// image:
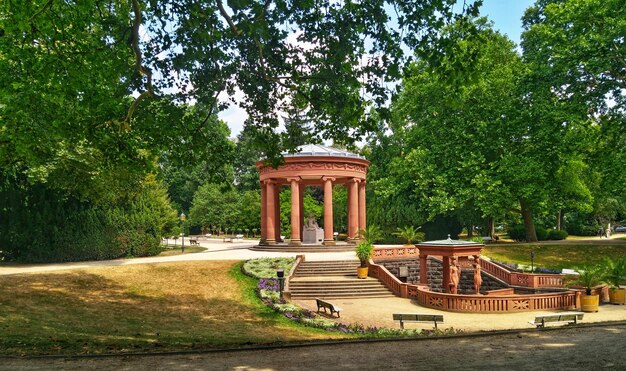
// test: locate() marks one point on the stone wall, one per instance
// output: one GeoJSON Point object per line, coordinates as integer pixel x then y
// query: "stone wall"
{"type": "Point", "coordinates": [435, 275]}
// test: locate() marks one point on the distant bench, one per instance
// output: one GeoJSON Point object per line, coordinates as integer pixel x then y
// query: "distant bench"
{"type": "Point", "coordinates": [238, 237]}
{"type": "Point", "coordinates": [560, 318]}
{"type": "Point", "coordinates": [325, 304]}
{"type": "Point", "coordinates": [417, 317]}
{"type": "Point", "coordinates": [193, 241]}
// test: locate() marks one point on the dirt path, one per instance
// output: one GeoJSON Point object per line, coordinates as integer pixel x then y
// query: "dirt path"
{"type": "Point", "coordinates": [578, 348]}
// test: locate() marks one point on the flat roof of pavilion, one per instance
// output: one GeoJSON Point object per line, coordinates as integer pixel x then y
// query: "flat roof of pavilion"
{"type": "Point", "coordinates": [316, 150]}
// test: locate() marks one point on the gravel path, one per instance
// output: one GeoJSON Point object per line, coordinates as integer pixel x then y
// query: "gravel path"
{"type": "Point", "coordinates": [577, 348]}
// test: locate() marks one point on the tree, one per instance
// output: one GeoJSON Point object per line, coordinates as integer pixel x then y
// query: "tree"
{"type": "Point", "coordinates": [72, 90]}
{"type": "Point", "coordinates": [213, 205]}
{"type": "Point", "coordinates": [500, 139]}
{"type": "Point", "coordinates": [448, 139]}
{"type": "Point", "coordinates": [410, 234]}
{"type": "Point", "coordinates": [576, 51]}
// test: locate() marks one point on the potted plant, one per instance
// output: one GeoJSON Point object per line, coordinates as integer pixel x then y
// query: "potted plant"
{"type": "Point", "coordinates": [588, 278]}
{"type": "Point", "coordinates": [614, 276]}
{"type": "Point", "coordinates": [365, 248]}
{"type": "Point", "coordinates": [410, 234]}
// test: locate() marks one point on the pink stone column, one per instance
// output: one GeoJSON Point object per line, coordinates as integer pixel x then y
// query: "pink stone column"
{"type": "Point", "coordinates": [270, 212]}
{"type": "Point", "coordinates": [353, 209]}
{"type": "Point", "coordinates": [277, 212]}
{"type": "Point", "coordinates": [301, 207]}
{"type": "Point", "coordinates": [296, 219]}
{"type": "Point", "coordinates": [263, 214]}
{"type": "Point", "coordinates": [362, 216]}
{"type": "Point", "coordinates": [423, 269]}
{"type": "Point", "coordinates": [328, 211]}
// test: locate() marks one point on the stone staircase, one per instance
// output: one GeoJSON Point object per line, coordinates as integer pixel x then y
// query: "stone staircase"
{"type": "Point", "coordinates": [333, 280]}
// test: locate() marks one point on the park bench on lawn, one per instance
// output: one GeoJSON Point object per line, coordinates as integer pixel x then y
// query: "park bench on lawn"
{"type": "Point", "coordinates": [239, 237]}
{"type": "Point", "coordinates": [325, 304]}
{"type": "Point", "coordinates": [417, 317]}
{"type": "Point", "coordinates": [559, 318]}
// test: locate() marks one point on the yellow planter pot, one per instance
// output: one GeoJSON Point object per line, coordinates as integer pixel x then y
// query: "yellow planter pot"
{"type": "Point", "coordinates": [361, 272]}
{"type": "Point", "coordinates": [589, 303]}
{"type": "Point", "coordinates": [617, 296]}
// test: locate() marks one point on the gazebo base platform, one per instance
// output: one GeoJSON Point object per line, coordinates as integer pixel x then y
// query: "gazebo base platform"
{"type": "Point", "coordinates": [340, 246]}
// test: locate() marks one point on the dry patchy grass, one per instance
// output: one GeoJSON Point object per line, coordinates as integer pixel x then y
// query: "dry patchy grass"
{"type": "Point", "coordinates": [176, 250]}
{"type": "Point", "coordinates": [555, 256]}
{"type": "Point", "coordinates": [167, 306]}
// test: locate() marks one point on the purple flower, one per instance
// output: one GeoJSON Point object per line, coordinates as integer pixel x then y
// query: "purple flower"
{"type": "Point", "coordinates": [270, 284]}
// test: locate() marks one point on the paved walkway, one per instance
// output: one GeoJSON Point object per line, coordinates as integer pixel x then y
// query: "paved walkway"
{"type": "Point", "coordinates": [216, 250]}
{"type": "Point", "coordinates": [378, 313]}
{"type": "Point", "coordinates": [577, 348]}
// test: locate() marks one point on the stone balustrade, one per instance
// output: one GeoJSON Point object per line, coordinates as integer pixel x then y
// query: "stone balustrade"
{"type": "Point", "coordinates": [565, 300]}
{"type": "Point", "coordinates": [493, 303]}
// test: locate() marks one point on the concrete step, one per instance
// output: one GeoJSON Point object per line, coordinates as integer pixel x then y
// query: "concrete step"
{"type": "Point", "coordinates": [323, 266]}
{"type": "Point", "coordinates": [333, 284]}
{"type": "Point", "coordinates": [325, 273]}
{"type": "Point", "coordinates": [333, 280]}
{"type": "Point", "coordinates": [347, 263]}
{"type": "Point", "coordinates": [341, 296]}
{"type": "Point", "coordinates": [344, 292]}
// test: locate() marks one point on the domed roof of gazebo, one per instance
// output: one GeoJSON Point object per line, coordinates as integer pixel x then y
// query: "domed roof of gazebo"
{"type": "Point", "coordinates": [310, 150]}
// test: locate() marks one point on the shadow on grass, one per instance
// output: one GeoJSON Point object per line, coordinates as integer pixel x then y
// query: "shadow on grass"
{"type": "Point", "coordinates": [82, 312]}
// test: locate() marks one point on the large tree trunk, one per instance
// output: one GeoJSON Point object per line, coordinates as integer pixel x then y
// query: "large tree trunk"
{"type": "Point", "coordinates": [558, 220]}
{"type": "Point", "coordinates": [490, 226]}
{"type": "Point", "coordinates": [529, 224]}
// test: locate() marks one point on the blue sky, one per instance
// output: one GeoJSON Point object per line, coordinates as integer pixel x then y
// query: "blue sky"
{"type": "Point", "coordinates": [505, 14]}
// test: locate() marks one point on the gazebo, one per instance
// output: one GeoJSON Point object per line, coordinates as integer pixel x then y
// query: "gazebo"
{"type": "Point", "coordinates": [450, 250]}
{"type": "Point", "coordinates": [312, 165]}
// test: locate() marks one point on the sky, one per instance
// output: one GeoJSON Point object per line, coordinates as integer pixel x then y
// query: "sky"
{"type": "Point", "coordinates": [505, 14]}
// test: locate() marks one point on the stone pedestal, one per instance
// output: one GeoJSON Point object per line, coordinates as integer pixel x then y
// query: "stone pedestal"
{"type": "Point", "coordinates": [313, 235]}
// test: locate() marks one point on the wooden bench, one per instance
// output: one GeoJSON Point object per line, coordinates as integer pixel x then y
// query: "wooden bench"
{"type": "Point", "coordinates": [417, 317]}
{"type": "Point", "coordinates": [193, 242]}
{"type": "Point", "coordinates": [560, 318]}
{"type": "Point", "coordinates": [239, 237]}
{"type": "Point", "coordinates": [227, 239]}
{"type": "Point", "coordinates": [325, 304]}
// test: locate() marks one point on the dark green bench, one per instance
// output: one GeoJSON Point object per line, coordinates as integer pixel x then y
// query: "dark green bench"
{"type": "Point", "coordinates": [557, 319]}
{"type": "Point", "coordinates": [417, 317]}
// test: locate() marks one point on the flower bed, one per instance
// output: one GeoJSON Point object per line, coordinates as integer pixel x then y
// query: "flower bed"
{"type": "Point", "coordinates": [268, 292]}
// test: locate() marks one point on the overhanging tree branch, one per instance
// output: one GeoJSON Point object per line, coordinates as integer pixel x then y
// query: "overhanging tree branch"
{"type": "Point", "coordinates": [139, 67]}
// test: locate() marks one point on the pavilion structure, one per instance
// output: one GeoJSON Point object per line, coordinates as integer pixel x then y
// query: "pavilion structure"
{"type": "Point", "coordinates": [450, 251]}
{"type": "Point", "coordinates": [312, 165]}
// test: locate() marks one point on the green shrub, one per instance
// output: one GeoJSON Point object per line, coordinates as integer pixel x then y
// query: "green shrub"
{"type": "Point", "coordinates": [582, 230]}
{"type": "Point", "coordinates": [554, 234]}
{"type": "Point", "coordinates": [517, 232]}
{"type": "Point", "coordinates": [267, 267]}
{"type": "Point", "coordinates": [40, 225]}
{"type": "Point", "coordinates": [542, 233]}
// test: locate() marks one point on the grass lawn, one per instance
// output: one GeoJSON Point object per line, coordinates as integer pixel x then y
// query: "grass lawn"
{"type": "Point", "coordinates": [555, 256]}
{"type": "Point", "coordinates": [147, 307]}
{"type": "Point", "coordinates": [177, 250]}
